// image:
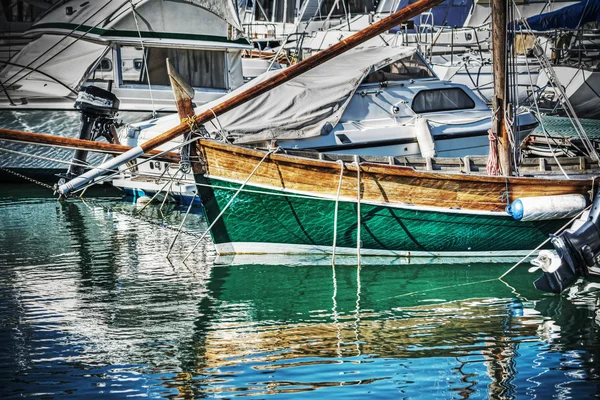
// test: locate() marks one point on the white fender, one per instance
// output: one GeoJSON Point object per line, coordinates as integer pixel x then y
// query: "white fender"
{"type": "Point", "coordinates": [424, 138]}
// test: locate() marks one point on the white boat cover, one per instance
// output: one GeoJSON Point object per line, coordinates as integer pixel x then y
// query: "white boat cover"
{"type": "Point", "coordinates": [306, 106]}
{"type": "Point", "coordinates": [225, 9]}
{"type": "Point", "coordinates": [153, 15]}
{"type": "Point", "coordinates": [52, 55]}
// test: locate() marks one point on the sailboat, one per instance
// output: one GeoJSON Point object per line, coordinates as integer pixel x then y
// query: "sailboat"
{"type": "Point", "coordinates": [268, 202]}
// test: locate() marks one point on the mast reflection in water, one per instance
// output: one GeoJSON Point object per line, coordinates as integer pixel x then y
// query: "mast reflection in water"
{"type": "Point", "coordinates": [89, 306]}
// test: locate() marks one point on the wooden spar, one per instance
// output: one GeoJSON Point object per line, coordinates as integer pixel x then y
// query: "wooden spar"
{"type": "Point", "coordinates": [499, 57]}
{"type": "Point", "coordinates": [70, 143]}
{"type": "Point", "coordinates": [287, 74]}
{"type": "Point", "coordinates": [370, 32]}
{"type": "Point", "coordinates": [183, 92]}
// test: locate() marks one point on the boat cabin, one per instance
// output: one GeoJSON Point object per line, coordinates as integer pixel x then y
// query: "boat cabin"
{"type": "Point", "coordinates": [123, 47]}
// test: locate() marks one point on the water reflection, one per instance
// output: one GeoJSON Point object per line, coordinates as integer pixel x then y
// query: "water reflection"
{"type": "Point", "coordinates": [89, 306]}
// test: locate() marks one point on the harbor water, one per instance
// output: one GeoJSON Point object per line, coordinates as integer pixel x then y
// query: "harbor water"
{"type": "Point", "coordinates": [90, 307]}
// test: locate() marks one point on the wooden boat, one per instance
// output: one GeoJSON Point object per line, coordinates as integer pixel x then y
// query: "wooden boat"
{"type": "Point", "coordinates": [290, 204]}
{"type": "Point", "coordinates": [261, 202]}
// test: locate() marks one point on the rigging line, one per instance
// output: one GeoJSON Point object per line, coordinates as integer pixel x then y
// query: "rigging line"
{"type": "Point", "coordinates": [154, 114]}
{"type": "Point", "coordinates": [569, 110]}
{"type": "Point", "coordinates": [153, 197]}
{"type": "Point", "coordinates": [134, 165]}
{"type": "Point", "coordinates": [335, 215]}
{"type": "Point", "coordinates": [56, 44]}
{"type": "Point", "coordinates": [357, 162]}
{"type": "Point", "coordinates": [229, 203]}
{"type": "Point", "coordinates": [444, 287]}
{"type": "Point", "coordinates": [180, 228]}
{"type": "Point", "coordinates": [19, 153]}
{"type": "Point", "coordinates": [535, 102]}
{"type": "Point", "coordinates": [160, 224]}
{"type": "Point", "coordinates": [172, 179]}
{"type": "Point", "coordinates": [545, 241]}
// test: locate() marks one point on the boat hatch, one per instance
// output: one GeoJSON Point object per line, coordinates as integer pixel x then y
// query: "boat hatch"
{"type": "Point", "coordinates": [443, 99]}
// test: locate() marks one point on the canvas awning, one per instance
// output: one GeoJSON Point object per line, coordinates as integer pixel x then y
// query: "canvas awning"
{"type": "Point", "coordinates": [306, 106]}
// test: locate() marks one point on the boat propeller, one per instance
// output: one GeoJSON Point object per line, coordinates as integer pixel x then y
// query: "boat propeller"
{"type": "Point", "coordinates": [577, 251]}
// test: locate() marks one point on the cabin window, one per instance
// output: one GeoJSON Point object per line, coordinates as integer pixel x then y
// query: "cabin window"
{"type": "Point", "coordinates": [412, 67]}
{"type": "Point", "coordinates": [200, 68]}
{"type": "Point", "coordinates": [103, 71]}
{"type": "Point", "coordinates": [442, 100]}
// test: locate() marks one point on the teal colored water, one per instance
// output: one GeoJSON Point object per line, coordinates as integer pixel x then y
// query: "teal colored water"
{"type": "Point", "coordinates": [90, 307]}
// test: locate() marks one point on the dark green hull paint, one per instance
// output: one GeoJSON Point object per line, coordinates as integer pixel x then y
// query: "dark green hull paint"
{"type": "Point", "coordinates": [262, 218]}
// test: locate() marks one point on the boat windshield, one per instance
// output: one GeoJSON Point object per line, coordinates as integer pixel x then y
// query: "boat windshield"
{"type": "Point", "coordinates": [411, 67]}
{"type": "Point", "coordinates": [447, 99]}
{"type": "Point", "coordinates": [201, 68]}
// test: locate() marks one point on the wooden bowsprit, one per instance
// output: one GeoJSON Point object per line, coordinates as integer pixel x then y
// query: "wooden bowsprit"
{"type": "Point", "coordinates": [285, 75]}
{"type": "Point", "coordinates": [71, 143]}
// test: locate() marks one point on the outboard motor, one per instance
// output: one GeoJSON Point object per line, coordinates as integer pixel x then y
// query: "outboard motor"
{"type": "Point", "coordinates": [577, 251]}
{"type": "Point", "coordinates": [98, 108]}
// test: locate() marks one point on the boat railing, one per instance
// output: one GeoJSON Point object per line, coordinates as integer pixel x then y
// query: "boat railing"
{"type": "Point", "coordinates": [430, 41]}
{"type": "Point", "coordinates": [250, 29]}
{"type": "Point", "coordinates": [529, 166]}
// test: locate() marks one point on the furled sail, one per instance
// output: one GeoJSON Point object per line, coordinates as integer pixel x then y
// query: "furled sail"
{"type": "Point", "coordinates": [571, 17]}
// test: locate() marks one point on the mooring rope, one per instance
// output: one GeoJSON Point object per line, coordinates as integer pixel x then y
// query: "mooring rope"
{"type": "Point", "coordinates": [180, 228]}
{"type": "Point", "coordinates": [504, 274]}
{"type": "Point", "coordinates": [229, 203]}
{"type": "Point", "coordinates": [335, 215]}
{"type": "Point", "coordinates": [357, 161]}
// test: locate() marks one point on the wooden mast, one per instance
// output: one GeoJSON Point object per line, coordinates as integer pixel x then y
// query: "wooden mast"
{"type": "Point", "coordinates": [183, 93]}
{"type": "Point", "coordinates": [370, 32]}
{"type": "Point", "coordinates": [499, 58]}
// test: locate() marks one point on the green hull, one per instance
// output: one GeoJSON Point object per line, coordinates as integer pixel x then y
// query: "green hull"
{"type": "Point", "coordinates": [259, 218]}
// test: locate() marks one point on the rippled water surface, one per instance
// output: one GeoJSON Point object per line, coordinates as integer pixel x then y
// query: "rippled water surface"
{"type": "Point", "coordinates": [90, 307]}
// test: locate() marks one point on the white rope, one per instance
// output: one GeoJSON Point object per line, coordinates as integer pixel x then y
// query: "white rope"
{"type": "Point", "coordinates": [335, 313]}
{"type": "Point", "coordinates": [335, 215]}
{"type": "Point", "coordinates": [229, 203]}
{"type": "Point", "coordinates": [179, 229]}
{"type": "Point", "coordinates": [155, 196]}
{"type": "Point", "coordinates": [56, 160]}
{"type": "Point", "coordinates": [357, 161]}
{"type": "Point", "coordinates": [154, 114]}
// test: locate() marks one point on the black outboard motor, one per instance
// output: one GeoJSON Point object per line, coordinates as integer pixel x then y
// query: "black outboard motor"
{"type": "Point", "coordinates": [576, 252]}
{"type": "Point", "coordinates": [98, 111]}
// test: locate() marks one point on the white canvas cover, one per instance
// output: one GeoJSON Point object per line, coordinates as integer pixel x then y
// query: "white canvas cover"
{"type": "Point", "coordinates": [153, 15]}
{"type": "Point", "coordinates": [54, 56]}
{"type": "Point", "coordinates": [225, 9]}
{"type": "Point", "coordinates": [308, 105]}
